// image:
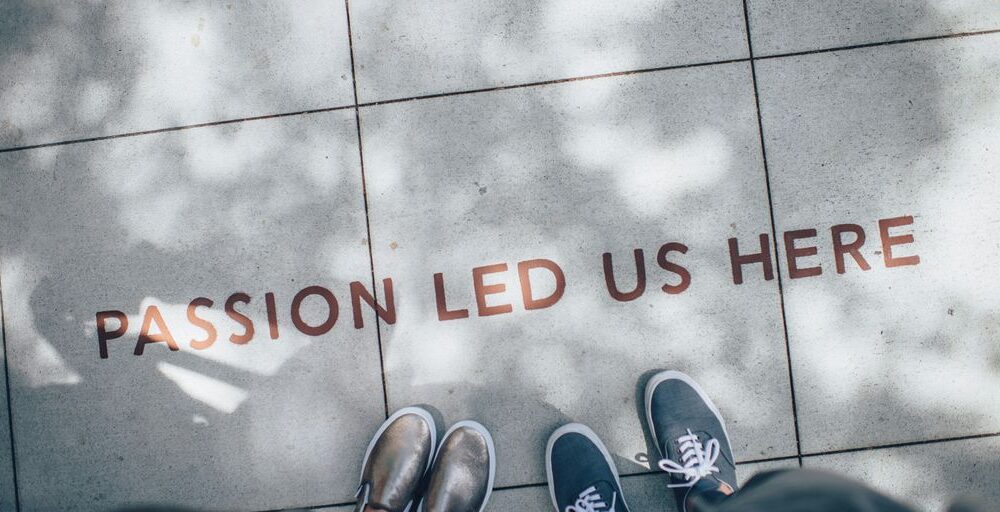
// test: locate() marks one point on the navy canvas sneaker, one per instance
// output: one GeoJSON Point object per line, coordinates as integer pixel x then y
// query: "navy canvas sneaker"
{"type": "Point", "coordinates": [396, 461]}
{"type": "Point", "coordinates": [582, 477]}
{"type": "Point", "coordinates": [689, 432]}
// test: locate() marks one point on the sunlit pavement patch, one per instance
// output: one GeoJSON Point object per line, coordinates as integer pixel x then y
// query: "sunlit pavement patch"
{"type": "Point", "coordinates": [144, 224]}
{"type": "Point", "coordinates": [782, 26]}
{"type": "Point", "coordinates": [568, 173]}
{"type": "Point", "coordinates": [890, 355]}
{"type": "Point", "coordinates": [417, 47]}
{"type": "Point", "coordinates": [189, 315]}
{"type": "Point", "coordinates": [82, 69]}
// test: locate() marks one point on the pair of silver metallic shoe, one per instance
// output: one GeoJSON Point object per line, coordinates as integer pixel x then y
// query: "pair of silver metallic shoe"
{"type": "Point", "coordinates": [404, 459]}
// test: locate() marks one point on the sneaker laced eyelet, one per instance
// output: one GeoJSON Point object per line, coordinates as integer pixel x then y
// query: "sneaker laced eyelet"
{"type": "Point", "coordinates": [697, 459]}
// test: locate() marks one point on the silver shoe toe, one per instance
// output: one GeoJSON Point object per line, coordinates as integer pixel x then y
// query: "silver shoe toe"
{"type": "Point", "coordinates": [396, 461]}
{"type": "Point", "coordinates": [464, 467]}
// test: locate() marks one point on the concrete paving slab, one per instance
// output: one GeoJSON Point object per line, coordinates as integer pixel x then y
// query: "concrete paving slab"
{"type": "Point", "coordinates": [84, 69]}
{"type": "Point", "coordinates": [427, 47]}
{"type": "Point", "coordinates": [782, 26]}
{"type": "Point", "coordinates": [566, 173]}
{"type": "Point", "coordinates": [7, 492]}
{"type": "Point", "coordinates": [908, 136]}
{"type": "Point", "coordinates": [926, 476]}
{"type": "Point", "coordinates": [144, 225]}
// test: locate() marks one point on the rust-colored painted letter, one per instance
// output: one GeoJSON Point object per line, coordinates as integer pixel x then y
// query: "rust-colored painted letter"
{"type": "Point", "coordinates": [763, 257]}
{"type": "Point", "coordinates": [853, 248]}
{"type": "Point", "coordinates": [442, 306]}
{"type": "Point", "coordinates": [210, 332]}
{"type": "Point", "coordinates": [889, 241]}
{"type": "Point", "coordinates": [153, 315]}
{"type": "Point", "coordinates": [272, 315]}
{"type": "Point", "coordinates": [102, 329]}
{"type": "Point", "coordinates": [640, 277]}
{"type": "Point", "coordinates": [665, 264]}
{"type": "Point", "coordinates": [523, 269]}
{"type": "Point", "coordinates": [239, 339]}
{"type": "Point", "coordinates": [359, 293]}
{"type": "Point", "coordinates": [792, 253]}
{"type": "Point", "coordinates": [331, 318]}
{"type": "Point", "coordinates": [482, 289]}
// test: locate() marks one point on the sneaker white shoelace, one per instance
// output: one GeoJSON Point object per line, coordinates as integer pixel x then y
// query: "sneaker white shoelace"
{"type": "Point", "coordinates": [697, 459]}
{"type": "Point", "coordinates": [591, 501]}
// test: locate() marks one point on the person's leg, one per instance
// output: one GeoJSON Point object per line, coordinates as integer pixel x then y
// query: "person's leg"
{"type": "Point", "coordinates": [802, 490]}
{"type": "Point", "coordinates": [582, 477]}
{"type": "Point", "coordinates": [691, 437]}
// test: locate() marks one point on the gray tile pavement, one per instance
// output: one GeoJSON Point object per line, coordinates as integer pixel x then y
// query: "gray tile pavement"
{"type": "Point", "coordinates": [783, 26]}
{"type": "Point", "coordinates": [84, 69]}
{"type": "Point", "coordinates": [895, 353]}
{"type": "Point", "coordinates": [565, 171]}
{"type": "Point", "coordinates": [144, 225]}
{"type": "Point", "coordinates": [427, 47]}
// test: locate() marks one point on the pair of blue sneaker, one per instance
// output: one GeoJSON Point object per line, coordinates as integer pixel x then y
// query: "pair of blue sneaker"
{"type": "Point", "coordinates": [689, 434]}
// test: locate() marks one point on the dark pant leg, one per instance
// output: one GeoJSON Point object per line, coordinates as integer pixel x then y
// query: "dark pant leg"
{"type": "Point", "coordinates": [802, 490]}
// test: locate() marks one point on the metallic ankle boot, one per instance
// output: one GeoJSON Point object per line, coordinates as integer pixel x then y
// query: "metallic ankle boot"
{"type": "Point", "coordinates": [396, 461]}
{"type": "Point", "coordinates": [464, 468]}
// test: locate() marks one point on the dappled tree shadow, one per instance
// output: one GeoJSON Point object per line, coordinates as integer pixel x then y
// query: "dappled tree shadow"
{"type": "Point", "coordinates": [565, 172]}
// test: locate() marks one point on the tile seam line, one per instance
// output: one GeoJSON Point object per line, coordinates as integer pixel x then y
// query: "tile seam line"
{"type": "Point", "coordinates": [368, 226]}
{"type": "Point", "coordinates": [553, 81]}
{"type": "Point", "coordinates": [175, 128]}
{"type": "Point", "coordinates": [891, 42]}
{"type": "Point", "coordinates": [10, 411]}
{"type": "Point", "coordinates": [903, 444]}
{"type": "Point", "coordinates": [357, 104]}
{"type": "Point", "coordinates": [774, 237]}
{"type": "Point", "coordinates": [501, 88]}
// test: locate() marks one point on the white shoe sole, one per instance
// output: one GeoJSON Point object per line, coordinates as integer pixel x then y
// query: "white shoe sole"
{"type": "Point", "coordinates": [490, 448]}
{"type": "Point", "coordinates": [578, 428]}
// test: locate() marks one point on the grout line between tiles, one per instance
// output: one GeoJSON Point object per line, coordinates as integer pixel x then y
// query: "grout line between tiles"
{"type": "Point", "coordinates": [876, 44]}
{"type": "Point", "coordinates": [774, 237]}
{"type": "Point", "coordinates": [501, 88]}
{"type": "Point", "coordinates": [368, 226]}
{"type": "Point", "coordinates": [902, 444]}
{"type": "Point", "coordinates": [551, 82]}
{"type": "Point", "coordinates": [175, 128]}
{"type": "Point", "coordinates": [10, 411]}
